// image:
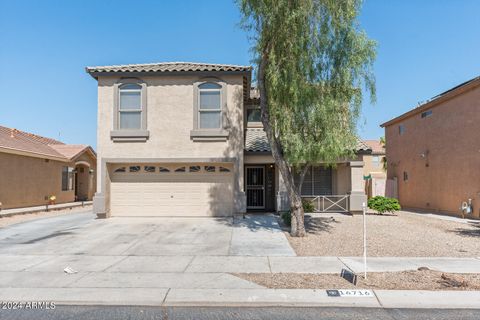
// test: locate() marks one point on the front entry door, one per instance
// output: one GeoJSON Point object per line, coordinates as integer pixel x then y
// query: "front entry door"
{"type": "Point", "coordinates": [255, 187]}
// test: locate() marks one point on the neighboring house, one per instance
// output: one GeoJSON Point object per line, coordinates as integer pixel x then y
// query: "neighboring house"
{"type": "Point", "coordinates": [33, 168]}
{"type": "Point", "coordinates": [373, 170]}
{"type": "Point", "coordinates": [185, 139]}
{"type": "Point", "coordinates": [433, 152]}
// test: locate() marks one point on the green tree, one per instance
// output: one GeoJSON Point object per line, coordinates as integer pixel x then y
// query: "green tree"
{"type": "Point", "coordinates": [313, 65]}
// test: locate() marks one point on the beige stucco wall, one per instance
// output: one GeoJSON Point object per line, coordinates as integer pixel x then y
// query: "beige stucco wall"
{"type": "Point", "coordinates": [377, 184]}
{"type": "Point", "coordinates": [169, 121]}
{"type": "Point", "coordinates": [342, 179]}
{"type": "Point", "coordinates": [29, 181]}
{"type": "Point", "coordinates": [370, 167]}
{"type": "Point", "coordinates": [449, 171]}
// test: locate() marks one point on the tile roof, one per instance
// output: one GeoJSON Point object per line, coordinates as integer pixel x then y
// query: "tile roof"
{"type": "Point", "coordinates": [69, 151]}
{"type": "Point", "coordinates": [362, 146]}
{"type": "Point", "coordinates": [31, 143]}
{"type": "Point", "coordinates": [256, 141]}
{"type": "Point", "coordinates": [169, 67]}
{"type": "Point", "coordinates": [375, 146]}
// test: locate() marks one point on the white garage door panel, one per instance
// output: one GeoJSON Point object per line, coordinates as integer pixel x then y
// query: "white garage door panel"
{"type": "Point", "coordinates": [171, 194]}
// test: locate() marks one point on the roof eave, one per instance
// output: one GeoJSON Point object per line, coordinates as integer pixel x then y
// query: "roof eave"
{"type": "Point", "coordinates": [96, 74]}
{"type": "Point", "coordinates": [433, 103]}
{"type": "Point", "coordinates": [33, 154]}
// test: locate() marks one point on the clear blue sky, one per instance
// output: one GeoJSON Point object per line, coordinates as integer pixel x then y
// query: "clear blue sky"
{"type": "Point", "coordinates": [424, 48]}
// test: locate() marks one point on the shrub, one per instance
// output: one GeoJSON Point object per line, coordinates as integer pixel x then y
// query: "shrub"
{"type": "Point", "coordinates": [383, 204]}
{"type": "Point", "coordinates": [287, 218]}
{"type": "Point", "coordinates": [308, 206]}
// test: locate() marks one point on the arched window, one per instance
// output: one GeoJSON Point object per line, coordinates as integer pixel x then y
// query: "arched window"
{"type": "Point", "coordinates": [209, 106]}
{"type": "Point", "coordinates": [130, 107]}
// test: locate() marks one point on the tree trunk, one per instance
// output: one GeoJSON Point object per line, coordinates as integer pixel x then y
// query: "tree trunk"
{"type": "Point", "coordinates": [298, 224]}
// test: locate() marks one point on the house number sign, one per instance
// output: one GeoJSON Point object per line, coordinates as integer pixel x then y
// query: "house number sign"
{"type": "Point", "coordinates": [350, 293]}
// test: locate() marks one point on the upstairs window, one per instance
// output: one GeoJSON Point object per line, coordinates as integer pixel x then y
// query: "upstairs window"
{"type": "Point", "coordinates": [426, 114]}
{"type": "Point", "coordinates": [254, 117]}
{"type": "Point", "coordinates": [401, 129]}
{"type": "Point", "coordinates": [209, 106]}
{"type": "Point", "coordinates": [130, 107]}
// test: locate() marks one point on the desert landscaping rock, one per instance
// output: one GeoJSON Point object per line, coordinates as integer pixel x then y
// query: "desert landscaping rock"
{"type": "Point", "coordinates": [405, 280]}
{"type": "Point", "coordinates": [401, 235]}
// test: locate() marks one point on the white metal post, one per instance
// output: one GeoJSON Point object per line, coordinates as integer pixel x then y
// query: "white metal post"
{"type": "Point", "coordinates": [364, 240]}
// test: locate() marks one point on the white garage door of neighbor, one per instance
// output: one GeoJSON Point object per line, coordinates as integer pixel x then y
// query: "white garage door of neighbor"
{"type": "Point", "coordinates": [171, 193]}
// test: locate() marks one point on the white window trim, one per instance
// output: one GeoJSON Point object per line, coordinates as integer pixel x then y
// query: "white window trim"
{"type": "Point", "coordinates": [200, 110]}
{"type": "Point", "coordinates": [130, 135]}
{"type": "Point", "coordinates": [205, 134]}
{"type": "Point", "coordinates": [120, 110]}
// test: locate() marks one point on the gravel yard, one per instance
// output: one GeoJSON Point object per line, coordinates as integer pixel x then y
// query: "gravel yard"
{"type": "Point", "coordinates": [406, 280]}
{"type": "Point", "coordinates": [401, 235]}
{"type": "Point", "coordinates": [6, 221]}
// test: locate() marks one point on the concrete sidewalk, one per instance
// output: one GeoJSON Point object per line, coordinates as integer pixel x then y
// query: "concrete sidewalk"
{"type": "Point", "coordinates": [26, 210]}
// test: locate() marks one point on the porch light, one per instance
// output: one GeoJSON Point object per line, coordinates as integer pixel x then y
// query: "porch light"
{"type": "Point", "coordinates": [91, 171]}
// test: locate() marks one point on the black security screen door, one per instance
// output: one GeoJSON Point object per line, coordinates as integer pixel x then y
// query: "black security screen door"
{"type": "Point", "coordinates": [255, 187]}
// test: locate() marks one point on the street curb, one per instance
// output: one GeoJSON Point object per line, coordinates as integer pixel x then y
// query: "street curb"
{"type": "Point", "coordinates": [317, 298]}
{"type": "Point", "coordinates": [386, 299]}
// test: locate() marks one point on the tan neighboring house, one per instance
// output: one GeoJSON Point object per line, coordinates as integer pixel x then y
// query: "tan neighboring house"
{"type": "Point", "coordinates": [34, 168]}
{"type": "Point", "coordinates": [373, 169]}
{"type": "Point", "coordinates": [433, 153]}
{"type": "Point", "coordinates": [185, 139]}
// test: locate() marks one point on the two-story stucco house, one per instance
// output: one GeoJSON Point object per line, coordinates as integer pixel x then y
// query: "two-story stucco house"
{"type": "Point", "coordinates": [185, 139]}
{"type": "Point", "coordinates": [433, 153]}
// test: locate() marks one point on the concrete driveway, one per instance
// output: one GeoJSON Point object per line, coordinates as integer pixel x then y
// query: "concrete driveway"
{"type": "Point", "coordinates": [82, 234]}
{"type": "Point", "coordinates": [138, 258]}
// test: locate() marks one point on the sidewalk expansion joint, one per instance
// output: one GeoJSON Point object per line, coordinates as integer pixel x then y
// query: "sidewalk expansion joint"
{"type": "Point", "coordinates": [188, 264]}
{"type": "Point", "coordinates": [115, 263]}
{"type": "Point", "coordinates": [269, 265]}
{"type": "Point", "coordinates": [378, 300]}
{"type": "Point", "coordinates": [165, 298]}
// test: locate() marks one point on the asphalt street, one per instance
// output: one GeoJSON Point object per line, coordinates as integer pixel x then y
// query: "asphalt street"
{"type": "Point", "coordinates": [224, 313]}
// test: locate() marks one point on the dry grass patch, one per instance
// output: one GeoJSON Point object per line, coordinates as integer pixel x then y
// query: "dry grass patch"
{"type": "Point", "coordinates": [401, 235]}
{"type": "Point", "coordinates": [405, 280]}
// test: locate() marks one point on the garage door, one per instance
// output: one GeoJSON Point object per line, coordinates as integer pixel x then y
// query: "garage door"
{"type": "Point", "coordinates": [171, 190]}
